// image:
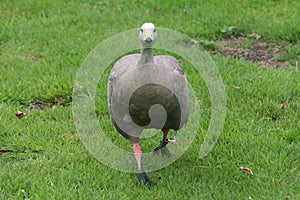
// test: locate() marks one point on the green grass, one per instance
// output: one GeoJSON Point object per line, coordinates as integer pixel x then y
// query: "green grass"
{"type": "Point", "coordinates": [292, 55]}
{"type": "Point", "coordinates": [42, 45]}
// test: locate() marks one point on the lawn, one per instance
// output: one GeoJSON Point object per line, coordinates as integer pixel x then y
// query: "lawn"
{"type": "Point", "coordinates": [42, 46]}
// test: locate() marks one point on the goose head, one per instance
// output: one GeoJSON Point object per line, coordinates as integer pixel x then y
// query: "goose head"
{"type": "Point", "coordinates": [147, 35]}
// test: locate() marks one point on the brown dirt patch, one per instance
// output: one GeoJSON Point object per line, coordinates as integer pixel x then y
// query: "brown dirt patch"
{"type": "Point", "coordinates": [2, 151]}
{"type": "Point", "coordinates": [59, 101]}
{"type": "Point", "coordinates": [253, 49]}
{"type": "Point", "coordinates": [38, 105]}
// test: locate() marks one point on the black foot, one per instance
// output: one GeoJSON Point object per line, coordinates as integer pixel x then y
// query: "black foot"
{"type": "Point", "coordinates": [163, 148]}
{"type": "Point", "coordinates": [143, 178]}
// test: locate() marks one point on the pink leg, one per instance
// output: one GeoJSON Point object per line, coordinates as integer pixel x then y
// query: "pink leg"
{"type": "Point", "coordinates": [138, 155]}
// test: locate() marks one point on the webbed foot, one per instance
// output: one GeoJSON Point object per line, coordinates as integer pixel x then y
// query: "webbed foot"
{"type": "Point", "coordinates": [163, 148]}
{"type": "Point", "coordinates": [143, 178]}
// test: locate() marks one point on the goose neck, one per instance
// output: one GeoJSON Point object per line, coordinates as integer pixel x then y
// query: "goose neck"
{"type": "Point", "coordinates": [146, 56]}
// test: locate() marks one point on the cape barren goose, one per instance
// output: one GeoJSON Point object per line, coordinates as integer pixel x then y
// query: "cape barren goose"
{"type": "Point", "coordinates": [176, 107]}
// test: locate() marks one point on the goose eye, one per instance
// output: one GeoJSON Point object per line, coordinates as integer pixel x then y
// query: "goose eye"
{"type": "Point", "coordinates": [154, 30]}
{"type": "Point", "coordinates": [142, 30]}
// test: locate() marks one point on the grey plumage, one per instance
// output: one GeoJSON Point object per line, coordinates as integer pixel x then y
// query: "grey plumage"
{"type": "Point", "coordinates": [149, 95]}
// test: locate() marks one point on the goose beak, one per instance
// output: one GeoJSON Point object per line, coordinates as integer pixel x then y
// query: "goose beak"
{"type": "Point", "coordinates": [148, 40]}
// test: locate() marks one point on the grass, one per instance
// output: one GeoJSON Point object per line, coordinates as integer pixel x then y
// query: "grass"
{"type": "Point", "coordinates": [43, 44]}
{"type": "Point", "coordinates": [292, 55]}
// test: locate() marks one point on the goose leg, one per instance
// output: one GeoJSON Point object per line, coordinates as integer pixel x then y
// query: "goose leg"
{"type": "Point", "coordinates": [163, 145]}
{"type": "Point", "coordinates": [142, 174]}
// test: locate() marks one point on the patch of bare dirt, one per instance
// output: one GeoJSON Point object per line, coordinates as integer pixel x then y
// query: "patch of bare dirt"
{"type": "Point", "coordinates": [253, 49]}
{"type": "Point", "coordinates": [3, 151]}
{"type": "Point", "coordinates": [38, 105]}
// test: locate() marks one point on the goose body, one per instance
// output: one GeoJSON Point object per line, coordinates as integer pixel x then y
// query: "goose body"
{"type": "Point", "coordinates": [175, 106]}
